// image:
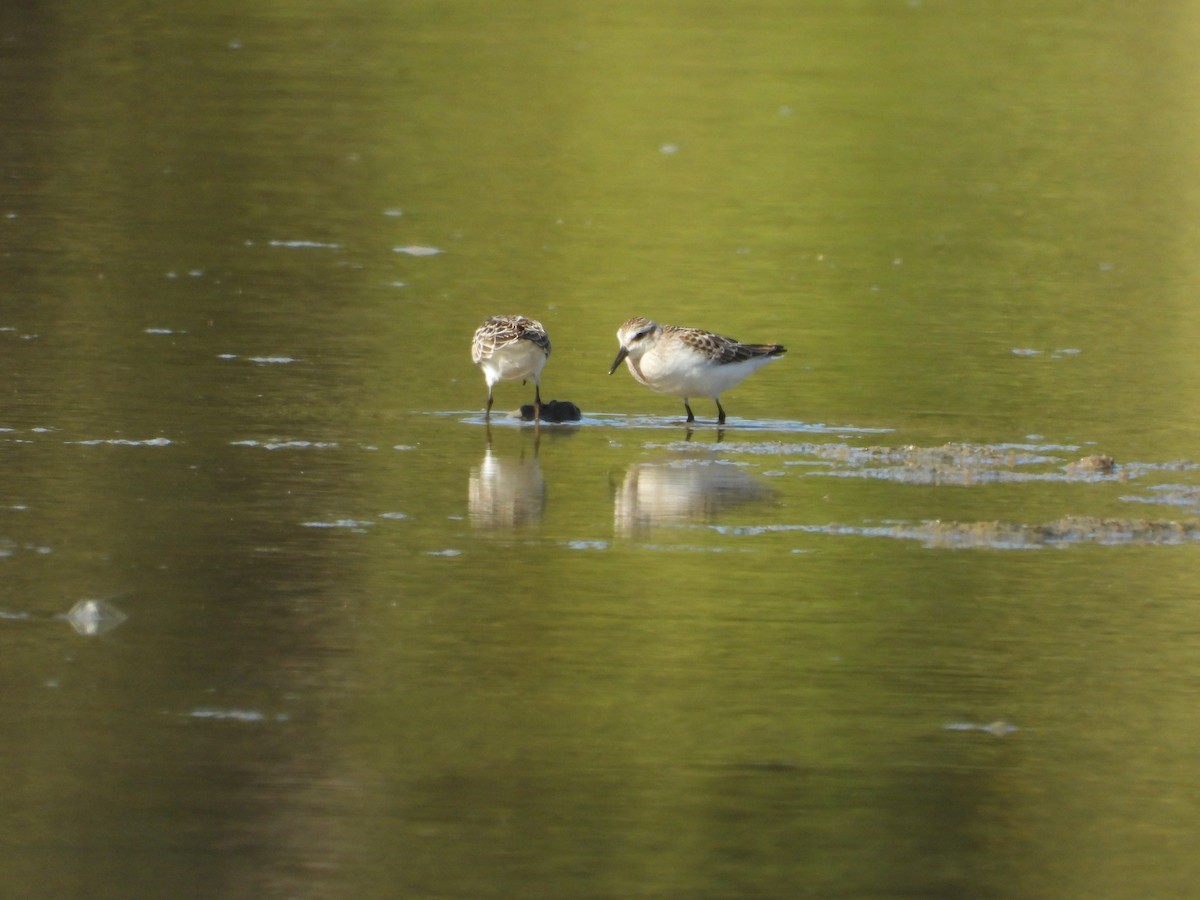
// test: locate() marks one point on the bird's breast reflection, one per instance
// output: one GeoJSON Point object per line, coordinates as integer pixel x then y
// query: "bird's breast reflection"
{"type": "Point", "coordinates": [506, 491]}
{"type": "Point", "coordinates": [676, 492]}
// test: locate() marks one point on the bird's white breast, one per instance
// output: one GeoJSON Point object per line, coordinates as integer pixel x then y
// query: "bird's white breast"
{"type": "Point", "coordinates": [676, 369]}
{"type": "Point", "coordinates": [521, 359]}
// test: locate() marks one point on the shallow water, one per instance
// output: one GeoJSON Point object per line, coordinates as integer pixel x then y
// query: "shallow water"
{"type": "Point", "coordinates": [284, 616]}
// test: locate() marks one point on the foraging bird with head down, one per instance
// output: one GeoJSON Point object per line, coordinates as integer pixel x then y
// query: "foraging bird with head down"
{"type": "Point", "coordinates": [508, 348]}
{"type": "Point", "coordinates": [688, 362]}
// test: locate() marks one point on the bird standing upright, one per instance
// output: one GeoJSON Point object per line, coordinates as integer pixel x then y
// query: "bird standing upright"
{"type": "Point", "coordinates": [508, 348]}
{"type": "Point", "coordinates": [686, 362]}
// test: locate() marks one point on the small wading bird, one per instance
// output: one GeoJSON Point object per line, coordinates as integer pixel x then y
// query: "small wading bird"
{"type": "Point", "coordinates": [688, 362]}
{"type": "Point", "coordinates": [508, 348]}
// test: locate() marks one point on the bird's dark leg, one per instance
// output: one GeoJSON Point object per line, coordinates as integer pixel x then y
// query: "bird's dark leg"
{"type": "Point", "coordinates": [691, 416]}
{"type": "Point", "coordinates": [487, 413]}
{"type": "Point", "coordinates": [537, 402]}
{"type": "Point", "coordinates": [720, 411]}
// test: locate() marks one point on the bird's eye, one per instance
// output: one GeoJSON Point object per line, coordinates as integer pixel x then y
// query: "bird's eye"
{"type": "Point", "coordinates": [640, 335]}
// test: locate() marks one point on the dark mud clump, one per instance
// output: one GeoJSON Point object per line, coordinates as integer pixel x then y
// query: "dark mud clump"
{"type": "Point", "coordinates": [554, 411]}
{"type": "Point", "coordinates": [1098, 464]}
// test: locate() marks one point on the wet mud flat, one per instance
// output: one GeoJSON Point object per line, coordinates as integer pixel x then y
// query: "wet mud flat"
{"type": "Point", "coordinates": [1063, 532]}
{"type": "Point", "coordinates": [1173, 486]}
{"type": "Point", "coordinates": [961, 463]}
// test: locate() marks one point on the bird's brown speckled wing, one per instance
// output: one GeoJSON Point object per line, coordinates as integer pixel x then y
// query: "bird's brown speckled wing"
{"type": "Point", "coordinates": [501, 331]}
{"type": "Point", "coordinates": [722, 349]}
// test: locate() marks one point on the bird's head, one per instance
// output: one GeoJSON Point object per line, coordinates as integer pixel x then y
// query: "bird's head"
{"type": "Point", "coordinates": [635, 337]}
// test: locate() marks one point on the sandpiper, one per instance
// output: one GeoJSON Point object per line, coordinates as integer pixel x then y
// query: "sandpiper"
{"type": "Point", "coordinates": [508, 348]}
{"type": "Point", "coordinates": [688, 362]}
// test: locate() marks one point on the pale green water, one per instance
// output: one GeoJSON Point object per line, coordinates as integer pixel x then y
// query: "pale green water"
{"type": "Point", "coordinates": [373, 649]}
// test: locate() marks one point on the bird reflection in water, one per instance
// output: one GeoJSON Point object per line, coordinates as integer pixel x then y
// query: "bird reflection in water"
{"type": "Point", "coordinates": [677, 492]}
{"type": "Point", "coordinates": [507, 491]}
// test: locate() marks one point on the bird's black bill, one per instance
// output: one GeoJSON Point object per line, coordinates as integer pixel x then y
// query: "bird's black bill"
{"type": "Point", "coordinates": [620, 358]}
